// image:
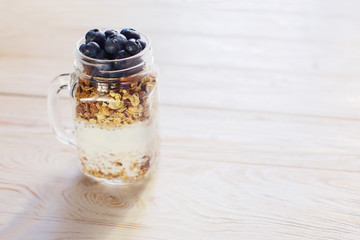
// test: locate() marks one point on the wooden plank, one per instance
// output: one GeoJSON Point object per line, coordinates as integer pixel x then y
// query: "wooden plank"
{"type": "Point", "coordinates": [186, 199]}
{"type": "Point", "coordinates": [197, 17]}
{"type": "Point", "coordinates": [252, 90]}
{"type": "Point", "coordinates": [277, 57]}
{"type": "Point", "coordinates": [206, 134]}
{"type": "Point", "coordinates": [323, 95]}
{"type": "Point", "coordinates": [270, 22]}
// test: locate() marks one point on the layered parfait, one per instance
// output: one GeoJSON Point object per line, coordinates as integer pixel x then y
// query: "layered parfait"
{"type": "Point", "coordinates": [116, 106]}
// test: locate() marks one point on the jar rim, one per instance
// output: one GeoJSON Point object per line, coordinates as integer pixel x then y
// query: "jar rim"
{"type": "Point", "coordinates": [128, 66]}
{"type": "Point", "coordinates": [146, 50]}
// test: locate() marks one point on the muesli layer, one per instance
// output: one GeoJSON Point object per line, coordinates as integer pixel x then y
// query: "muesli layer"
{"type": "Point", "coordinates": [110, 104]}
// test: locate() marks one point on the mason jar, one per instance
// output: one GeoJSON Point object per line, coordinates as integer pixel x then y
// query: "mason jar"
{"type": "Point", "coordinates": [115, 109]}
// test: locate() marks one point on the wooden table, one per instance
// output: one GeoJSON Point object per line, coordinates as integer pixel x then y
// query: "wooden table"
{"type": "Point", "coordinates": [260, 122]}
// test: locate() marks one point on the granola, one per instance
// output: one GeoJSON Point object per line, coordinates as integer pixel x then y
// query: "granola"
{"type": "Point", "coordinates": [134, 172]}
{"type": "Point", "coordinates": [114, 105]}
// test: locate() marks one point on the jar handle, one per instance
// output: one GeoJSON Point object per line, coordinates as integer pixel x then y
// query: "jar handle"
{"type": "Point", "coordinates": [63, 134]}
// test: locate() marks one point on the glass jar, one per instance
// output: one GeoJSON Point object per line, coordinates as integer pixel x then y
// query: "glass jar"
{"type": "Point", "coordinates": [115, 115]}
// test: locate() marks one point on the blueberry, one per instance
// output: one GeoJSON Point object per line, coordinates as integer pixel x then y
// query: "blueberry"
{"type": "Point", "coordinates": [132, 46]}
{"type": "Point", "coordinates": [105, 67]}
{"type": "Point", "coordinates": [130, 33]}
{"type": "Point", "coordinates": [118, 65]}
{"type": "Point", "coordinates": [90, 49]}
{"type": "Point", "coordinates": [142, 42]}
{"type": "Point", "coordinates": [102, 70]}
{"type": "Point", "coordinates": [91, 35]}
{"type": "Point", "coordinates": [103, 55]}
{"type": "Point", "coordinates": [121, 64]}
{"type": "Point", "coordinates": [95, 35]}
{"type": "Point", "coordinates": [122, 54]}
{"type": "Point", "coordinates": [108, 33]}
{"type": "Point", "coordinates": [114, 43]}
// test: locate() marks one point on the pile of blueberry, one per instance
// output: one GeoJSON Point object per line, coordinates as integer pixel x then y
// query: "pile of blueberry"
{"type": "Point", "coordinates": [111, 44]}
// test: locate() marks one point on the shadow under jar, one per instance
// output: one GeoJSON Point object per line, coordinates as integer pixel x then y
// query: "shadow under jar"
{"type": "Point", "coordinates": [115, 116]}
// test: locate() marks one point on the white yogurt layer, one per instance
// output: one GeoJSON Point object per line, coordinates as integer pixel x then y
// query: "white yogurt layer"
{"type": "Point", "coordinates": [130, 138]}
{"type": "Point", "coordinates": [105, 148]}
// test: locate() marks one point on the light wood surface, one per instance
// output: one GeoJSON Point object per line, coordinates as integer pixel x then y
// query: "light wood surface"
{"type": "Point", "coordinates": [260, 122]}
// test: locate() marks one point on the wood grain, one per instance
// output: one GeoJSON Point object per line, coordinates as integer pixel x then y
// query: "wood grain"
{"type": "Point", "coordinates": [186, 199]}
{"type": "Point", "coordinates": [297, 58]}
{"type": "Point", "coordinates": [205, 134]}
{"type": "Point", "coordinates": [259, 122]}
